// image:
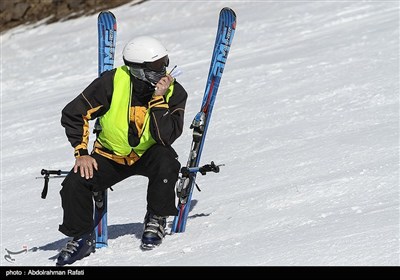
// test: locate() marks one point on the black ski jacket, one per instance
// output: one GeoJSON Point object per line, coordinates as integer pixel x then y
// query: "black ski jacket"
{"type": "Point", "coordinates": [166, 123]}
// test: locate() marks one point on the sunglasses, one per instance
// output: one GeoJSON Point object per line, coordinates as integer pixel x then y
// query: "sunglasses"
{"type": "Point", "coordinates": [159, 65]}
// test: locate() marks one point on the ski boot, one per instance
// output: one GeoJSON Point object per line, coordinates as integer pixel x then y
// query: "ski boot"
{"type": "Point", "coordinates": [77, 249]}
{"type": "Point", "coordinates": [154, 231]}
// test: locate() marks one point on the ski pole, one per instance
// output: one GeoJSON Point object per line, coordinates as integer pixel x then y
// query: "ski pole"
{"type": "Point", "coordinates": [212, 167]}
{"type": "Point", "coordinates": [46, 176]}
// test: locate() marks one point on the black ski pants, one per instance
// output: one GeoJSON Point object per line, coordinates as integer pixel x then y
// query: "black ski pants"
{"type": "Point", "coordinates": [159, 164]}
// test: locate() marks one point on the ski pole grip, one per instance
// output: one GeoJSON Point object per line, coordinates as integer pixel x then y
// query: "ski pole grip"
{"type": "Point", "coordinates": [46, 176]}
{"type": "Point", "coordinates": [50, 172]}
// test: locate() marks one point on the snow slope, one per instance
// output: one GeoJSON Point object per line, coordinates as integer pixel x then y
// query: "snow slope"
{"type": "Point", "coordinates": [306, 123]}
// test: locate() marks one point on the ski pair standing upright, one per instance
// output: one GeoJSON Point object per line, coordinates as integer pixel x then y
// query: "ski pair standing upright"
{"type": "Point", "coordinates": [225, 33]}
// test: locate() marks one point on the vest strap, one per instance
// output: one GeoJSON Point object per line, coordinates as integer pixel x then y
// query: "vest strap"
{"type": "Point", "coordinates": [124, 160]}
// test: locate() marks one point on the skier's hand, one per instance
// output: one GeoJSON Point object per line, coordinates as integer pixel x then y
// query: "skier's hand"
{"type": "Point", "coordinates": [163, 85]}
{"type": "Point", "coordinates": [85, 164]}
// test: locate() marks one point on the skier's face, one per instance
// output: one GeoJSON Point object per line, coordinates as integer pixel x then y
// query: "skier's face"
{"type": "Point", "coordinates": [151, 72]}
{"type": "Point", "coordinates": [159, 65]}
{"type": "Point", "coordinates": [155, 70]}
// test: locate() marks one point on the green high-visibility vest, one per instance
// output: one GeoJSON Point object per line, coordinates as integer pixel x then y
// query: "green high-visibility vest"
{"type": "Point", "coordinates": [115, 122]}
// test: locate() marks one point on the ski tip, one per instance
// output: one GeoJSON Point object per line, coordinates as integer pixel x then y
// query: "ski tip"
{"type": "Point", "coordinates": [227, 9]}
{"type": "Point", "coordinates": [105, 13]}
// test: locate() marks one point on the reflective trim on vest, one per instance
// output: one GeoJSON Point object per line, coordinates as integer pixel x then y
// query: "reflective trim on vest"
{"type": "Point", "coordinates": [115, 122]}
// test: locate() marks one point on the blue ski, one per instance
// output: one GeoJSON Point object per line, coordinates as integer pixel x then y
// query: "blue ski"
{"type": "Point", "coordinates": [185, 185]}
{"type": "Point", "coordinates": [107, 31]}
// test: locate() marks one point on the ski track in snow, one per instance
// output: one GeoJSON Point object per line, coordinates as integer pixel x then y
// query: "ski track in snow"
{"type": "Point", "coordinates": [306, 122]}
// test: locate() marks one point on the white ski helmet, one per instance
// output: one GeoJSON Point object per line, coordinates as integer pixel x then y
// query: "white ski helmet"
{"type": "Point", "coordinates": [143, 49]}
